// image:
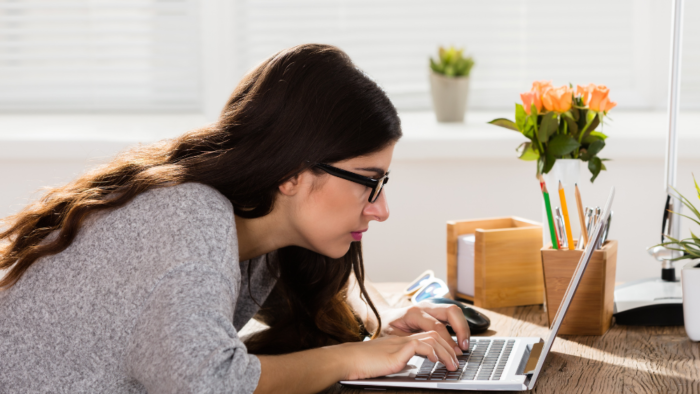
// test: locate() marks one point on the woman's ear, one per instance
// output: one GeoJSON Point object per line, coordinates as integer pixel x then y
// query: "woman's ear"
{"type": "Point", "coordinates": [291, 186]}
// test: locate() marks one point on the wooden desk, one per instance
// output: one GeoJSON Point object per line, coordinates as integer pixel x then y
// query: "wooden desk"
{"type": "Point", "coordinates": [624, 360]}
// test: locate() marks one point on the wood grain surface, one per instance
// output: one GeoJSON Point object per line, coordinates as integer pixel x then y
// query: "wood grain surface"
{"type": "Point", "coordinates": [625, 360]}
{"type": "Point", "coordinates": [591, 310]}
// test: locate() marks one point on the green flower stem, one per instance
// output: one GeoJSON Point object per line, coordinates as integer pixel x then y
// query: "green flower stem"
{"type": "Point", "coordinates": [537, 137]}
{"type": "Point", "coordinates": [585, 128]}
{"type": "Point", "coordinates": [566, 126]}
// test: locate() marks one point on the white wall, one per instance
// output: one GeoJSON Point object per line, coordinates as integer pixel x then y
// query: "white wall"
{"type": "Point", "coordinates": [424, 194]}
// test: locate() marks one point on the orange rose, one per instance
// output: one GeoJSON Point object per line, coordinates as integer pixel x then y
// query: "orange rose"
{"type": "Point", "coordinates": [599, 99]}
{"type": "Point", "coordinates": [585, 92]}
{"type": "Point", "coordinates": [606, 105]}
{"type": "Point", "coordinates": [558, 99]}
{"type": "Point", "coordinates": [540, 87]}
{"type": "Point", "coordinates": [530, 98]}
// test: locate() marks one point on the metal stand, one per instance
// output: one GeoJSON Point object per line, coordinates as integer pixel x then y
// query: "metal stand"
{"type": "Point", "coordinates": [659, 302]}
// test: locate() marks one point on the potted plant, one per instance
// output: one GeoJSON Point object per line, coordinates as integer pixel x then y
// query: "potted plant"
{"type": "Point", "coordinates": [689, 249]}
{"type": "Point", "coordinates": [449, 84]}
{"type": "Point", "coordinates": [560, 124]}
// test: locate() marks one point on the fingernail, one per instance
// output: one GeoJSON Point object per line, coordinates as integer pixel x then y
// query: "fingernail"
{"type": "Point", "coordinates": [465, 344]}
{"type": "Point", "coordinates": [456, 364]}
{"type": "Point", "coordinates": [458, 351]}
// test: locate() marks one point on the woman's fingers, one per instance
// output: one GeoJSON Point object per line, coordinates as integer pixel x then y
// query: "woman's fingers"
{"type": "Point", "coordinates": [428, 322]}
{"type": "Point", "coordinates": [444, 352]}
{"type": "Point", "coordinates": [453, 315]}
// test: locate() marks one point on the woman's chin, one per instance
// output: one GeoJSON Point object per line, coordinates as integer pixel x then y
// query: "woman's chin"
{"type": "Point", "coordinates": [335, 252]}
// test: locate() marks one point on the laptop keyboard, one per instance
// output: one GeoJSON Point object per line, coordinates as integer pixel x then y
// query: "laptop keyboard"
{"type": "Point", "coordinates": [485, 360]}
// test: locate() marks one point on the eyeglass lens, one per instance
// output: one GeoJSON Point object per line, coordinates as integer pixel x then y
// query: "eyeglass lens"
{"type": "Point", "coordinates": [377, 190]}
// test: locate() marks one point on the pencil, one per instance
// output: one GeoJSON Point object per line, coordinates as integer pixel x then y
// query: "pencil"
{"type": "Point", "coordinates": [581, 217]}
{"type": "Point", "coordinates": [548, 208]}
{"type": "Point", "coordinates": [565, 213]}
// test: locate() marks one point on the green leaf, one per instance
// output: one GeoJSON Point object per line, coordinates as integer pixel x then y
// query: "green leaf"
{"type": "Point", "coordinates": [548, 126]}
{"type": "Point", "coordinates": [503, 122]}
{"type": "Point", "coordinates": [548, 162]}
{"type": "Point", "coordinates": [594, 166]}
{"type": "Point", "coordinates": [582, 119]}
{"type": "Point", "coordinates": [561, 145]}
{"type": "Point", "coordinates": [573, 127]}
{"type": "Point", "coordinates": [599, 135]}
{"type": "Point", "coordinates": [594, 136]}
{"type": "Point", "coordinates": [576, 113]}
{"type": "Point", "coordinates": [438, 68]}
{"type": "Point", "coordinates": [590, 127]}
{"type": "Point", "coordinates": [686, 216]}
{"type": "Point", "coordinates": [527, 152]}
{"type": "Point", "coordinates": [695, 237]}
{"type": "Point", "coordinates": [595, 147]}
{"type": "Point", "coordinates": [696, 186]}
{"type": "Point", "coordinates": [520, 116]}
{"type": "Point", "coordinates": [687, 203]}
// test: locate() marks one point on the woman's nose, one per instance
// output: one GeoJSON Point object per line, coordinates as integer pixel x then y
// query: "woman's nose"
{"type": "Point", "coordinates": [378, 210]}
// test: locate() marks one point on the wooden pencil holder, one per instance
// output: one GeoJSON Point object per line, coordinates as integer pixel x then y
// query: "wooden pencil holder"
{"type": "Point", "coordinates": [507, 265]}
{"type": "Point", "coordinates": [591, 309]}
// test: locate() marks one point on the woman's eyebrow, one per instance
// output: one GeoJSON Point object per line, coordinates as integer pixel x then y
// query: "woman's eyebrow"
{"type": "Point", "coordinates": [380, 172]}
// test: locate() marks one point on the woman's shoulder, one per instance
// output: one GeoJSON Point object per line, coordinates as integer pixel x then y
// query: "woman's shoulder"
{"type": "Point", "coordinates": [190, 200]}
{"type": "Point", "coordinates": [179, 219]}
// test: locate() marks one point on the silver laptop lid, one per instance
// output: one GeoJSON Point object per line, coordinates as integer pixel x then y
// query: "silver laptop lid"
{"type": "Point", "coordinates": [571, 290]}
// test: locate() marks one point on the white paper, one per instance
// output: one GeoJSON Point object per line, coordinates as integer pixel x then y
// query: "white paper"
{"type": "Point", "coordinates": [465, 264]}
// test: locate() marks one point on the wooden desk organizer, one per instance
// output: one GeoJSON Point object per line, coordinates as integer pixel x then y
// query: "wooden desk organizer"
{"type": "Point", "coordinates": [591, 309]}
{"type": "Point", "coordinates": [507, 265]}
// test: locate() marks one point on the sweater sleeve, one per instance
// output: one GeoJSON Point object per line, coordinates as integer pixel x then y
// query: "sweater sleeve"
{"type": "Point", "coordinates": [184, 339]}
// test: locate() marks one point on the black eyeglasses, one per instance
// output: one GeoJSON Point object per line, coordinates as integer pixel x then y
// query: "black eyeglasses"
{"type": "Point", "coordinates": [375, 184]}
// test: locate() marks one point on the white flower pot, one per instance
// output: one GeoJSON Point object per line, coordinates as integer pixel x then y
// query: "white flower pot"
{"type": "Point", "coordinates": [567, 171]}
{"type": "Point", "coordinates": [449, 97]}
{"type": "Point", "coordinates": [690, 276]}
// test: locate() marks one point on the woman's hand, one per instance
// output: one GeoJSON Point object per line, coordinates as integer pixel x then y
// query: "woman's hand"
{"type": "Point", "coordinates": [427, 316]}
{"type": "Point", "coordinates": [388, 355]}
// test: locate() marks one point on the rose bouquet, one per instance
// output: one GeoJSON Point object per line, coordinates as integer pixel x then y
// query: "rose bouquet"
{"type": "Point", "coordinates": [560, 124]}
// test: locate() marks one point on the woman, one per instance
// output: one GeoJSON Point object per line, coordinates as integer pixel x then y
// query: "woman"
{"type": "Point", "coordinates": [137, 276]}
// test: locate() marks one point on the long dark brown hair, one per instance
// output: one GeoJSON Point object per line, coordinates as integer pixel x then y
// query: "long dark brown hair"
{"type": "Point", "coordinates": [304, 105]}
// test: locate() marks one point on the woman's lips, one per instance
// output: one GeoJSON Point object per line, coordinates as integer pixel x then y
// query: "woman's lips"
{"type": "Point", "coordinates": [357, 235]}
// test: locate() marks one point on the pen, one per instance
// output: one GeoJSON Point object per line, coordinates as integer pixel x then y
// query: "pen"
{"type": "Point", "coordinates": [606, 230]}
{"type": "Point", "coordinates": [559, 223]}
{"type": "Point", "coordinates": [596, 219]}
{"type": "Point", "coordinates": [591, 220]}
{"type": "Point", "coordinates": [548, 208]}
{"type": "Point", "coordinates": [581, 218]}
{"type": "Point", "coordinates": [565, 213]}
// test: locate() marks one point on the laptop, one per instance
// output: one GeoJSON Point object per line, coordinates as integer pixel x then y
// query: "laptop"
{"type": "Point", "coordinates": [492, 363]}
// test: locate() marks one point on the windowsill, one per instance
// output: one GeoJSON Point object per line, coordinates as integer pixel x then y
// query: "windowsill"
{"type": "Point", "coordinates": [633, 134]}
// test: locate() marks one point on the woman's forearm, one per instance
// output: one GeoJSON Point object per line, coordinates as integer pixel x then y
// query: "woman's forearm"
{"type": "Point", "coordinates": [308, 371]}
{"type": "Point", "coordinates": [359, 305]}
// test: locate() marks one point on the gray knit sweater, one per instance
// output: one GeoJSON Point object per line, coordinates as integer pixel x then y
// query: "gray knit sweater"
{"type": "Point", "coordinates": [148, 298]}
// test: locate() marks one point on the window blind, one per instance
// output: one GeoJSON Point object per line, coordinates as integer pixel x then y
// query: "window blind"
{"type": "Point", "coordinates": [99, 55]}
{"type": "Point", "coordinates": [514, 42]}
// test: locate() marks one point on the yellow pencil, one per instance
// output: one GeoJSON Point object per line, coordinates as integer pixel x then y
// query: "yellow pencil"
{"type": "Point", "coordinates": [581, 218]}
{"type": "Point", "coordinates": [565, 213]}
